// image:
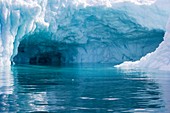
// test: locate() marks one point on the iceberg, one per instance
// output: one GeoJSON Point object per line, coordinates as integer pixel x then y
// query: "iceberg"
{"type": "Point", "coordinates": [82, 31]}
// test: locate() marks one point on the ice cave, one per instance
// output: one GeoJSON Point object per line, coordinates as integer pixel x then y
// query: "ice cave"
{"type": "Point", "coordinates": [84, 56]}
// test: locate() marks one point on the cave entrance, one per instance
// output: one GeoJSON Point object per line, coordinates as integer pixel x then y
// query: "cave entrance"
{"type": "Point", "coordinates": [39, 49]}
{"type": "Point", "coordinates": [46, 59]}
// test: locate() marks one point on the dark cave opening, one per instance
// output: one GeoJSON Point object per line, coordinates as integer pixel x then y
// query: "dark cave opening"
{"type": "Point", "coordinates": [39, 49]}
{"type": "Point", "coordinates": [45, 59]}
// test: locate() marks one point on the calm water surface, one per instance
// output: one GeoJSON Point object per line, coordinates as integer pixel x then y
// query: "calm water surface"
{"type": "Point", "coordinates": [83, 89]}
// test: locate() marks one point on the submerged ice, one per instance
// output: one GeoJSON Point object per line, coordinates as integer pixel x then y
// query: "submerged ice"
{"type": "Point", "coordinates": [54, 32]}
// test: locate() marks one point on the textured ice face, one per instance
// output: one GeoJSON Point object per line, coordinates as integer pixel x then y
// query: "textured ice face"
{"type": "Point", "coordinates": [17, 19]}
{"type": "Point", "coordinates": [23, 18]}
{"type": "Point", "coordinates": [93, 35]}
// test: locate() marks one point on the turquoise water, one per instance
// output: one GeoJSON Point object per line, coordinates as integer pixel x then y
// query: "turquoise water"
{"type": "Point", "coordinates": [83, 89]}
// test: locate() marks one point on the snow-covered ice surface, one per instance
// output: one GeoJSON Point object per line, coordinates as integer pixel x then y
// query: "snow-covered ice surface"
{"type": "Point", "coordinates": [79, 22]}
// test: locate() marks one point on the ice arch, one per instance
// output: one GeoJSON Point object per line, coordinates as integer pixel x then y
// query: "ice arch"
{"type": "Point", "coordinates": [90, 40]}
{"type": "Point", "coordinates": [22, 18]}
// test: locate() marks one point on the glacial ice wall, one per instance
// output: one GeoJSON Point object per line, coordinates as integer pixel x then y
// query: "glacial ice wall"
{"type": "Point", "coordinates": [70, 27]}
{"type": "Point", "coordinates": [17, 19]}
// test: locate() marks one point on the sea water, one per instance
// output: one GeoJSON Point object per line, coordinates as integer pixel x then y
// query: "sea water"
{"type": "Point", "coordinates": [83, 89]}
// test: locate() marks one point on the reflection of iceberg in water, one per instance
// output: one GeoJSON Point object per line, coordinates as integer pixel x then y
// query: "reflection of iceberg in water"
{"type": "Point", "coordinates": [6, 80]}
{"type": "Point", "coordinates": [164, 85]}
{"type": "Point", "coordinates": [13, 98]}
{"type": "Point", "coordinates": [27, 100]}
{"type": "Point", "coordinates": [161, 79]}
{"type": "Point", "coordinates": [69, 89]}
